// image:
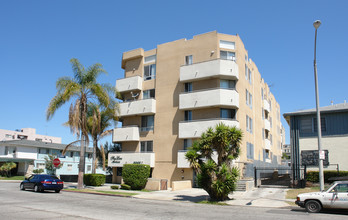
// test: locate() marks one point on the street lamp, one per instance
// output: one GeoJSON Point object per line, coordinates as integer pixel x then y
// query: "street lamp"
{"type": "Point", "coordinates": [316, 25]}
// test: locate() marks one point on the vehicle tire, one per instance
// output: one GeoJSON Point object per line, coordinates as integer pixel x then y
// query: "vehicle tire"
{"type": "Point", "coordinates": [22, 186]}
{"type": "Point", "coordinates": [57, 190]}
{"type": "Point", "coordinates": [37, 188]}
{"type": "Point", "coordinates": [313, 206]}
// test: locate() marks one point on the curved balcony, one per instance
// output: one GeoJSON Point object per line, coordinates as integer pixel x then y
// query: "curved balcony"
{"type": "Point", "coordinates": [267, 125]}
{"type": "Point", "coordinates": [134, 83]}
{"type": "Point", "coordinates": [138, 107]}
{"type": "Point", "coordinates": [218, 97]}
{"type": "Point", "coordinates": [267, 144]}
{"type": "Point", "coordinates": [218, 68]}
{"type": "Point", "coordinates": [129, 133]}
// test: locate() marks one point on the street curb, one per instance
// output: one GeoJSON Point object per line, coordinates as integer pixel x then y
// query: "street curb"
{"type": "Point", "coordinates": [98, 193]}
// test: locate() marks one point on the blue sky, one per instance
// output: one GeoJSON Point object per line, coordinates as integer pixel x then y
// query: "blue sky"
{"type": "Point", "coordinates": [38, 38]}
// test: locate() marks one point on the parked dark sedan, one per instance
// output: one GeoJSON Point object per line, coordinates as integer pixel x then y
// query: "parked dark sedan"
{"type": "Point", "coordinates": [41, 182]}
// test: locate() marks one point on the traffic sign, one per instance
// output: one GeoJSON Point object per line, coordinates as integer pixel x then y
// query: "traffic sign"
{"type": "Point", "coordinates": [56, 162]}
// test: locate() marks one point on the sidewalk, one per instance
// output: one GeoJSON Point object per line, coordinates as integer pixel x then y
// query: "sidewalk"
{"type": "Point", "coordinates": [258, 197]}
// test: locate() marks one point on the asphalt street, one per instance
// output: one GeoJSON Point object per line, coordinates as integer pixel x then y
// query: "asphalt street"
{"type": "Point", "coordinates": [17, 204]}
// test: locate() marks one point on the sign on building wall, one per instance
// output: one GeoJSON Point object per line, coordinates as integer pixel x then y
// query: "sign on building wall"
{"type": "Point", "coordinates": [311, 158]}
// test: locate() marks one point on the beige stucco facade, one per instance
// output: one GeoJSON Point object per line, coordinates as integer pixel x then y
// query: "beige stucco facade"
{"type": "Point", "coordinates": [204, 72]}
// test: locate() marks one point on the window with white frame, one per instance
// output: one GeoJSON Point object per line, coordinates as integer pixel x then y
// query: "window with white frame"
{"type": "Point", "coordinates": [146, 146]}
{"type": "Point", "coordinates": [150, 59]}
{"type": "Point", "coordinates": [149, 72]}
{"type": "Point", "coordinates": [188, 60]}
{"type": "Point", "coordinates": [227, 55]}
{"type": "Point", "coordinates": [227, 44]}
{"type": "Point", "coordinates": [147, 123]}
{"type": "Point", "coordinates": [148, 94]}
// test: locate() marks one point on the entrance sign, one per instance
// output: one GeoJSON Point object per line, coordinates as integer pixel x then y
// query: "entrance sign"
{"type": "Point", "coordinates": [311, 157]}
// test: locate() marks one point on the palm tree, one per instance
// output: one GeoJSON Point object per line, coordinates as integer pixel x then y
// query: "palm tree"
{"type": "Point", "coordinates": [82, 87]}
{"type": "Point", "coordinates": [217, 177]}
{"type": "Point", "coordinates": [98, 120]}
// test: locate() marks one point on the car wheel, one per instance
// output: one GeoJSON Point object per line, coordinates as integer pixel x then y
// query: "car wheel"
{"type": "Point", "coordinates": [22, 186]}
{"type": "Point", "coordinates": [57, 190]}
{"type": "Point", "coordinates": [37, 188]}
{"type": "Point", "coordinates": [313, 206]}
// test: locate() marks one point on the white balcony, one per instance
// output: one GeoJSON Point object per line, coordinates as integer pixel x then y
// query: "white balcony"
{"type": "Point", "coordinates": [121, 158]}
{"type": "Point", "coordinates": [130, 133]}
{"type": "Point", "coordinates": [209, 98]}
{"type": "Point", "coordinates": [267, 125]}
{"type": "Point", "coordinates": [183, 163]}
{"type": "Point", "coordinates": [139, 107]}
{"type": "Point", "coordinates": [226, 69]}
{"type": "Point", "coordinates": [267, 144]}
{"type": "Point", "coordinates": [134, 83]}
{"type": "Point", "coordinates": [266, 105]}
{"type": "Point", "coordinates": [194, 129]}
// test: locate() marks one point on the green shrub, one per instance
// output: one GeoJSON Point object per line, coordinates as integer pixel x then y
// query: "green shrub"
{"type": "Point", "coordinates": [135, 175]}
{"type": "Point", "coordinates": [38, 171]}
{"type": "Point", "coordinates": [114, 187]}
{"type": "Point", "coordinates": [125, 186]}
{"type": "Point", "coordinates": [94, 179]}
{"type": "Point", "coordinates": [313, 176]}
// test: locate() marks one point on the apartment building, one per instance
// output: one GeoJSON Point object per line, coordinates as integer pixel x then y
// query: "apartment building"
{"type": "Point", "coordinates": [173, 93]}
{"type": "Point", "coordinates": [27, 134]}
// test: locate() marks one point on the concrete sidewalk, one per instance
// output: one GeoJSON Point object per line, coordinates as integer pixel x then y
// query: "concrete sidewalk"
{"type": "Point", "coordinates": [258, 197]}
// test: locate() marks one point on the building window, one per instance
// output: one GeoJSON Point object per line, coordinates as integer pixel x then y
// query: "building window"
{"type": "Point", "coordinates": [227, 55]}
{"type": "Point", "coordinates": [148, 94]}
{"type": "Point", "coordinates": [246, 72]}
{"type": "Point", "coordinates": [43, 151]}
{"type": "Point", "coordinates": [188, 60]}
{"type": "Point", "coordinates": [9, 136]}
{"type": "Point", "coordinates": [322, 124]}
{"type": "Point", "coordinates": [227, 84]}
{"type": "Point", "coordinates": [263, 113]}
{"type": "Point", "coordinates": [263, 134]}
{"type": "Point", "coordinates": [149, 72]}
{"type": "Point", "coordinates": [271, 139]}
{"type": "Point", "coordinates": [188, 87]}
{"type": "Point", "coordinates": [306, 125]}
{"type": "Point", "coordinates": [249, 124]}
{"type": "Point", "coordinates": [89, 156]}
{"type": "Point", "coordinates": [150, 59]}
{"type": "Point", "coordinates": [147, 123]}
{"type": "Point", "coordinates": [69, 168]}
{"type": "Point", "coordinates": [6, 151]}
{"type": "Point", "coordinates": [146, 146]}
{"type": "Point", "coordinates": [248, 99]}
{"type": "Point", "coordinates": [228, 113]}
{"type": "Point", "coordinates": [270, 121]}
{"type": "Point", "coordinates": [250, 76]}
{"type": "Point", "coordinates": [187, 143]}
{"type": "Point", "coordinates": [119, 171]}
{"type": "Point", "coordinates": [246, 58]}
{"type": "Point", "coordinates": [227, 44]}
{"type": "Point", "coordinates": [40, 165]}
{"type": "Point", "coordinates": [38, 139]}
{"type": "Point", "coordinates": [250, 151]}
{"type": "Point", "coordinates": [266, 154]}
{"type": "Point", "coordinates": [89, 168]}
{"type": "Point", "coordinates": [262, 94]}
{"type": "Point", "coordinates": [188, 115]}
{"type": "Point", "coordinates": [71, 154]}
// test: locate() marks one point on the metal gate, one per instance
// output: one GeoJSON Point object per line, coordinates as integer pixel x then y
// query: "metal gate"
{"type": "Point", "coordinates": [278, 176]}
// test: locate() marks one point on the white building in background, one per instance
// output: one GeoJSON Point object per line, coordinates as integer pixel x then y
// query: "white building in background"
{"type": "Point", "coordinates": [27, 134]}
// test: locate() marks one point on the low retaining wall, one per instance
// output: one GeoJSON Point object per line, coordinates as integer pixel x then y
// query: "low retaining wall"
{"type": "Point", "coordinates": [179, 185]}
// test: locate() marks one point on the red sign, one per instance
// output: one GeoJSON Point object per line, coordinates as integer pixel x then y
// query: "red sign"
{"type": "Point", "coordinates": [56, 162]}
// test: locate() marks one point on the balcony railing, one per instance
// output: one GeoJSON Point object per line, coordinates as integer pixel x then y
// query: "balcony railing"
{"type": "Point", "coordinates": [217, 97]}
{"type": "Point", "coordinates": [129, 133]}
{"type": "Point", "coordinates": [194, 129]}
{"type": "Point", "coordinates": [267, 144]}
{"type": "Point", "coordinates": [138, 107]}
{"type": "Point", "coordinates": [267, 125]}
{"type": "Point", "coordinates": [129, 84]}
{"type": "Point", "coordinates": [120, 158]}
{"type": "Point", "coordinates": [227, 69]}
{"type": "Point", "coordinates": [266, 105]}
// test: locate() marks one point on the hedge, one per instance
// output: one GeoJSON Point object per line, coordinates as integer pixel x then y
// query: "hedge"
{"type": "Point", "coordinates": [94, 179]}
{"type": "Point", "coordinates": [313, 176]}
{"type": "Point", "coordinates": [135, 175]}
{"type": "Point", "coordinates": [125, 186]}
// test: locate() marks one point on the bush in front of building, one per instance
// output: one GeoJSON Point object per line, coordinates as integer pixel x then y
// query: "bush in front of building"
{"type": "Point", "coordinates": [313, 176]}
{"type": "Point", "coordinates": [125, 186]}
{"type": "Point", "coordinates": [114, 187]}
{"type": "Point", "coordinates": [5, 169]}
{"type": "Point", "coordinates": [94, 179]}
{"type": "Point", "coordinates": [217, 177]}
{"type": "Point", "coordinates": [135, 175]}
{"type": "Point", "coordinates": [38, 171]}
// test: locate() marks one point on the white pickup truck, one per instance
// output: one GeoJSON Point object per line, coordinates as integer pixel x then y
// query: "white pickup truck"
{"type": "Point", "coordinates": [336, 197]}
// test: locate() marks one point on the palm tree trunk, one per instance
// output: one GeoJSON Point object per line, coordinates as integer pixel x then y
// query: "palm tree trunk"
{"type": "Point", "coordinates": [81, 164]}
{"type": "Point", "coordinates": [95, 145]}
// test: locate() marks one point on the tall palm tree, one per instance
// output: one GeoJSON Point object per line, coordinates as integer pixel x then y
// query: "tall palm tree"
{"type": "Point", "coordinates": [99, 119]}
{"type": "Point", "coordinates": [82, 87]}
